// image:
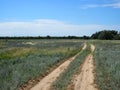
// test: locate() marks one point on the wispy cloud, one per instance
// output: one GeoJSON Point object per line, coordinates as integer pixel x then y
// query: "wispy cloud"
{"type": "Point", "coordinates": [113, 5]}
{"type": "Point", "coordinates": [45, 27]}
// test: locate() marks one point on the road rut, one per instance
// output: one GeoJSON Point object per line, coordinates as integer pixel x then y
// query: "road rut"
{"type": "Point", "coordinates": [85, 79]}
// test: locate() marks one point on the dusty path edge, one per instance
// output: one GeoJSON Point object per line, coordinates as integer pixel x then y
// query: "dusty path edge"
{"type": "Point", "coordinates": [32, 82]}
{"type": "Point", "coordinates": [71, 86]}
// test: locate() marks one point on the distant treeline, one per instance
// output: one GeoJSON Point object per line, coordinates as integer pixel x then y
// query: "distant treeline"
{"type": "Point", "coordinates": [106, 35]}
{"type": "Point", "coordinates": [46, 37]}
{"type": "Point", "coordinates": [102, 35]}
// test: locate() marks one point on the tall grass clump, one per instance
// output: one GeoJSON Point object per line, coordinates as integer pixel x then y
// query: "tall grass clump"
{"type": "Point", "coordinates": [65, 78]}
{"type": "Point", "coordinates": [107, 63]}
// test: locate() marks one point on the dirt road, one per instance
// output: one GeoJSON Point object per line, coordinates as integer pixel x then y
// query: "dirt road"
{"type": "Point", "coordinates": [85, 80]}
{"type": "Point", "coordinates": [46, 82]}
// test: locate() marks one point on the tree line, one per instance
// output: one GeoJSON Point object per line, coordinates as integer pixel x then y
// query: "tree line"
{"type": "Point", "coordinates": [46, 37]}
{"type": "Point", "coordinates": [106, 35]}
{"type": "Point", "coordinates": [102, 35]}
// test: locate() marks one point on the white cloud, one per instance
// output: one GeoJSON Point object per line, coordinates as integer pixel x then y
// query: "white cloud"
{"type": "Point", "coordinates": [113, 5]}
{"type": "Point", "coordinates": [43, 27]}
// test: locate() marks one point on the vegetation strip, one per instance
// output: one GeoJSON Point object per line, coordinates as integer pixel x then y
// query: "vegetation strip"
{"type": "Point", "coordinates": [107, 62]}
{"type": "Point", "coordinates": [85, 79]}
{"type": "Point", "coordinates": [65, 78]}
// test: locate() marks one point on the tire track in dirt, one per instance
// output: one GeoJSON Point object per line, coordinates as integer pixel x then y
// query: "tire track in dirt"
{"type": "Point", "coordinates": [85, 79]}
{"type": "Point", "coordinates": [46, 82]}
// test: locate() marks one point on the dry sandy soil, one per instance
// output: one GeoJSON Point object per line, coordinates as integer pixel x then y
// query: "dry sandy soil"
{"type": "Point", "coordinates": [85, 79]}
{"type": "Point", "coordinates": [46, 82]}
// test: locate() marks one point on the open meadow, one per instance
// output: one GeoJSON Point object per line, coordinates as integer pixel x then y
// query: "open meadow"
{"type": "Point", "coordinates": [58, 64]}
{"type": "Point", "coordinates": [59, 44]}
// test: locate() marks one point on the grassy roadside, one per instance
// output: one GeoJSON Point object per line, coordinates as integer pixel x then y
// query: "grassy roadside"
{"type": "Point", "coordinates": [107, 62]}
{"type": "Point", "coordinates": [65, 78]}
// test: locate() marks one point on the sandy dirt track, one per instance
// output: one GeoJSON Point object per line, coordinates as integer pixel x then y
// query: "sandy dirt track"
{"type": "Point", "coordinates": [85, 80]}
{"type": "Point", "coordinates": [46, 82]}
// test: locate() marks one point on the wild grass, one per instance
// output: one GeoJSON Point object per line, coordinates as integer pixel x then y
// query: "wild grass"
{"type": "Point", "coordinates": [20, 62]}
{"type": "Point", "coordinates": [107, 62]}
{"type": "Point", "coordinates": [65, 78]}
{"type": "Point", "coordinates": [15, 53]}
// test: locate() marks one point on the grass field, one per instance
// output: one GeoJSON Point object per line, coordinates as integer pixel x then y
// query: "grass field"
{"type": "Point", "coordinates": [21, 60]}
{"type": "Point", "coordinates": [107, 62]}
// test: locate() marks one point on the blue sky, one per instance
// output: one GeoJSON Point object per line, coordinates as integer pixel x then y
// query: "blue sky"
{"type": "Point", "coordinates": [58, 17]}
